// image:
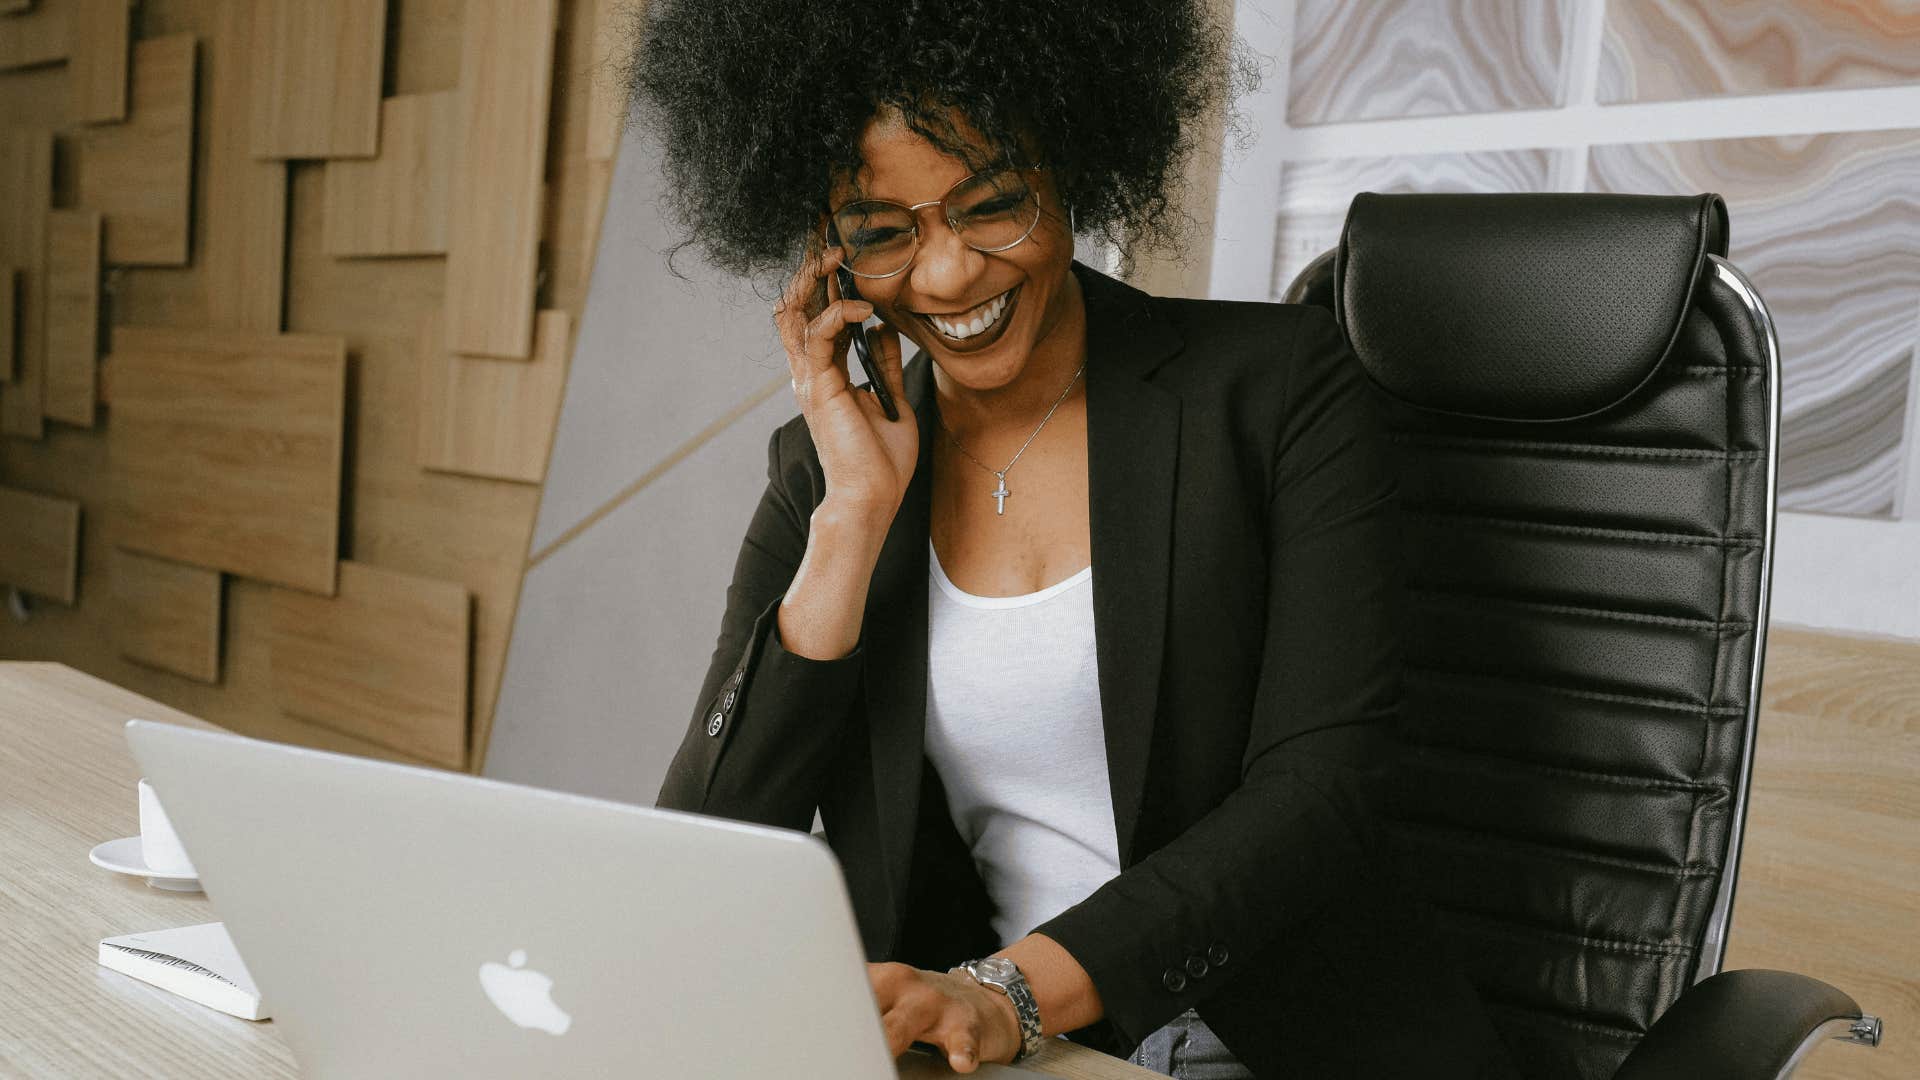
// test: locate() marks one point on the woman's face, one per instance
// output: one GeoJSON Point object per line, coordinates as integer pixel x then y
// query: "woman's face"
{"type": "Point", "coordinates": [951, 283]}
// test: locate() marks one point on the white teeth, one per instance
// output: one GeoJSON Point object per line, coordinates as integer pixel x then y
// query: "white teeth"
{"type": "Point", "coordinates": [989, 315]}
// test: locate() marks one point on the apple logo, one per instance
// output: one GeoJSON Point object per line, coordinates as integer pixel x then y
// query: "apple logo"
{"type": "Point", "coordinates": [523, 994]}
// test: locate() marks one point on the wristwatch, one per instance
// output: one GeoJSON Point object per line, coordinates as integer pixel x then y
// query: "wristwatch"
{"type": "Point", "coordinates": [1002, 974]}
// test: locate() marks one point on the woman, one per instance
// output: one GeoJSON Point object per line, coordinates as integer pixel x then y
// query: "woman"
{"type": "Point", "coordinates": [1084, 659]}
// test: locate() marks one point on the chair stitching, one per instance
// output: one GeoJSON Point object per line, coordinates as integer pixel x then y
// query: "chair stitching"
{"type": "Point", "coordinates": [1619, 779]}
{"type": "Point", "coordinates": [1716, 369]}
{"type": "Point", "coordinates": [1589, 449]}
{"type": "Point", "coordinates": [1630, 536]}
{"type": "Point", "coordinates": [1445, 674]}
{"type": "Point", "coordinates": [1619, 862]}
{"type": "Point", "coordinates": [1470, 599]}
{"type": "Point", "coordinates": [1586, 1026]}
{"type": "Point", "coordinates": [1515, 928]}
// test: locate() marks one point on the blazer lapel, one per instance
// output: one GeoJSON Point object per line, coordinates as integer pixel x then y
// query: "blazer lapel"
{"type": "Point", "coordinates": [1133, 443]}
{"type": "Point", "coordinates": [895, 631]}
{"type": "Point", "coordinates": [1133, 430]}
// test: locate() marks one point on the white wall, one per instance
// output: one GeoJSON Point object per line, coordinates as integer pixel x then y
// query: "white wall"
{"type": "Point", "coordinates": [1850, 573]}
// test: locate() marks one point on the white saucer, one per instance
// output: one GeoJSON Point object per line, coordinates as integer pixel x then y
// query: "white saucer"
{"type": "Point", "coordinates": [123, 856]}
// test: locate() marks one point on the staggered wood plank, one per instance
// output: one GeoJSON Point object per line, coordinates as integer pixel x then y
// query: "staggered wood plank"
{"type": "Point", "coordinates": [9, 320]}
{"type": "Point", "coordinates": [316, 78]}
{"type": "Point", "coordinates": [396, 203]}
{"type": "Point", "coordinates": [40, 544]}
{"type": "Point", "coordinates": [140, 173]}
{"type": "Point", "coordinates": [225, 448]}
{"type": "Point", "coordinates": [73, 315]}
{"type": "Point", "coordinates": [493, 223]}
{"type": "Point", "coordinates": [166, 614]}
{"type": "Point", "coordinates": [386, 660]}
{"type": "Point", "coordinates": [606, 96]}
{"type": "Point", "coordinates": [243, 257]}
{"type": "Point", "coordinates": [36, 35]}
{"type": "Point", "coordinates": [257, 247]}
{"type": "Point", "coordinates": [97, 71]}
{"type": "Point", "coordinates": [488, 417]}
{"type": "Point", "coordinates": [26, 197]}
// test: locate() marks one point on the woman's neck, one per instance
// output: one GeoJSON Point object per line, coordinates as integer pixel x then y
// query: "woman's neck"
{"type": "Point", "coordinates": [1021, 403]}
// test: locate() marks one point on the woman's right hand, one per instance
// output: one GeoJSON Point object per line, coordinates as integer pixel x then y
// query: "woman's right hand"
{"type": "Point", "coordinates": [868, 459]}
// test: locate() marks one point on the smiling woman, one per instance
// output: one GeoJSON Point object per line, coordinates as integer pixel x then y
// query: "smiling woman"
{"type": "Point", "coordinates": [1084, 658]}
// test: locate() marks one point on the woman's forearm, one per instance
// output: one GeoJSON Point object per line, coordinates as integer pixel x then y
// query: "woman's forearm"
{"type": "Point", "coordinates": [821, 614]}
{"type": "Point", "coordinates": [1061, 988]}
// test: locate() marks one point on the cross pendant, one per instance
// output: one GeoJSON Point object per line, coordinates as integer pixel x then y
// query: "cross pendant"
{"type": "Point", "coordinates": [1000, 495]}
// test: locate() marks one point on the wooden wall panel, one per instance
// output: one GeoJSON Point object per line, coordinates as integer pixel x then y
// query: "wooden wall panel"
{"type": "Point", "coordinates": [385, 660]}
{"type": "Point", "coordinates": [97, 70]}
{"type": "Point", "coordinates": [140, 173]}
{"type": "Point", "coordinates": [493, 225]}
{"type": "Point", "coordinates": [26, 197]}
{"type": "Point", "coordinates": [606, 94]}
{"type": "Point", "coordinates": [396, 204]}
{"type": "Point", "coordinates": [167, 615]}
{"type": "Point", "coordinates": [243, 252]}
{"type": "Point", "coordinates": [225, 450]}
{"type": "Point", "coordinates": [73, 315]}
{"type": "Point", "coordinates": [258, 261]}
{"type": "Point", "coordinates": [40, 544]}
{"type": "Point", "coordinates": [36, 36]}
{"type": "Point", "coordinates": [9, 320]}
{"type": "Point", "coordinates": [316, 78]}
{"type": "Point", "coordinates": [488, 417]}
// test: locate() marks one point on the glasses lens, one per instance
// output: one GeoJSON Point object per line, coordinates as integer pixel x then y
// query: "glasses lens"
{"type": "Point", "coordinates": [994, 210]}
{"type": "Point", "coordinates": [878, 236]}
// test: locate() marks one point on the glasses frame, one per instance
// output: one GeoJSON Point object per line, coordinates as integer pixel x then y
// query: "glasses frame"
{"type": "Point", "coordinates": [913, 214]}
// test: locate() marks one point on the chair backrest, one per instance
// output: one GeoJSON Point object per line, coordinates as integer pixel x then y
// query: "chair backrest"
{"type": "Point", "coordinates": [1584, 410]}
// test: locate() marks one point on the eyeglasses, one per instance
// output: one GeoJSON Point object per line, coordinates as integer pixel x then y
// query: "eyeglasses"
{"type": "Point", "coordinates": [990, 211]}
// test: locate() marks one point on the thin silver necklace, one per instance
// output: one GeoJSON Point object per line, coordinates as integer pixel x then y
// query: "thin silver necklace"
{"type": "Point", "coordinates": [1000, 493]}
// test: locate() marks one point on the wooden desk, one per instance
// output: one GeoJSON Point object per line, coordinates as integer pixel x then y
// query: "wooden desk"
{"type": "Point", "coordinates": [66, 784]}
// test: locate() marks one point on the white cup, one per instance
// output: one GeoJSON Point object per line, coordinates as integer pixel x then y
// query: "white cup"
{"type": "Point", "coordinates": [160, 846]}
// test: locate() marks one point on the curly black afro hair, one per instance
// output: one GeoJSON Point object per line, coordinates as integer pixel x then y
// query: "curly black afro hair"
{"type": "Point", "coordinates": [760, 103]}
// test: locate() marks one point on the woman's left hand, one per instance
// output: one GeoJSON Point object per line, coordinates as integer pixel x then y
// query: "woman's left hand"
{"type": "Point", "coordinates": [966, 1020]}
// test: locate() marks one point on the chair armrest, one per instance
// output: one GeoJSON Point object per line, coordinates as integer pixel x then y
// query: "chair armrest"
{"type": "Point", "coordinates": [1746, 1025]}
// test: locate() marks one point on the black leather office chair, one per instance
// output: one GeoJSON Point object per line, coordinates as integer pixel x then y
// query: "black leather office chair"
{"type": "Point", "coordinates": [1585, 412]}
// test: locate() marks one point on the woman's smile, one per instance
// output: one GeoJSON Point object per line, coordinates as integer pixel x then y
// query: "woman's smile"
{"type": "Point", "coordinates": [975, 328]}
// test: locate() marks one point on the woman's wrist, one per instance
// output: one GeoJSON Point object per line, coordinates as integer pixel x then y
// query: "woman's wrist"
{"type": "Point", "coordinates": [821, 615]}
{"type": "Point", "coordinates": [1061, 988]}
{"type": "Point", "coordinates": [850, 522]}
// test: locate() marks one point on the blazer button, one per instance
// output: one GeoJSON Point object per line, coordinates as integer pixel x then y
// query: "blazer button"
{"type": "Point", "coordinates": [713, 724]}
{"type": "Point", "coordinates": [1174, 980]}
{"type": "Point", "coordinates": [1218, 954]}
{"type": "Point", "coordinates": [1197, 966]}
{"type": "Point", "coordinates": [726, 700]}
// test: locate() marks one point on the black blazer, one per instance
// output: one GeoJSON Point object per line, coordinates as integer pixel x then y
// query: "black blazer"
{"type": "Point", "coordinates": [1245, 599]}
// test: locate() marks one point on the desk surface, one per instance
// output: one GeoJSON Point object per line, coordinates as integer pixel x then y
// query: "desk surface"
{"type": "Point", "coordinates": [66, 784]}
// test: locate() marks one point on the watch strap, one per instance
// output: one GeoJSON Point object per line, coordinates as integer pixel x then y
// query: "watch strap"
{"type": "Point", "coordinates": [1025, 1008]}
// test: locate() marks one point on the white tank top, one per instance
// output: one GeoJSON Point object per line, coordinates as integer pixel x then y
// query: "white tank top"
{"type": "Point", "coordinates": [1013, 726]}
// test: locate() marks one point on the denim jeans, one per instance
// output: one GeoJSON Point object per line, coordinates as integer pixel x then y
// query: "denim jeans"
{"type": "Point", "coordinates": [1187, 1049]}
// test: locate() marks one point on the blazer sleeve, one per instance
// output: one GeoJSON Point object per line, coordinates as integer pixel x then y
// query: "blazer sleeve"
{"type": "Point", "coordinates": [1295, 834]}
{"type": "Point", "coordinates": [767, 722]}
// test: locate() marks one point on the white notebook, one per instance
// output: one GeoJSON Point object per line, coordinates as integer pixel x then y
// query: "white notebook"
{"type": "Point", "coordinates": [197, 962]}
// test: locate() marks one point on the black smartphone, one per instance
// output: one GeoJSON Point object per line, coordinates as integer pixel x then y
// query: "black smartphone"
{"type": "Point", "coordinates": [862, 348]}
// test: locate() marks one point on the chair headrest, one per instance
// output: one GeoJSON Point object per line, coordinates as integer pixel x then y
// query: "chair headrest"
{"type": "Point", "coordinates": [1537, 306]}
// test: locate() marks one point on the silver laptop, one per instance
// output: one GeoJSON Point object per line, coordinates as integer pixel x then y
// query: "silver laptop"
{"type": "Point", "coordinates": [409, 922]}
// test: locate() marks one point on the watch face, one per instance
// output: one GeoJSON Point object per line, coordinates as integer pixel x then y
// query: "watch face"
{"type": "Point", "coordinates": [997, 969]}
